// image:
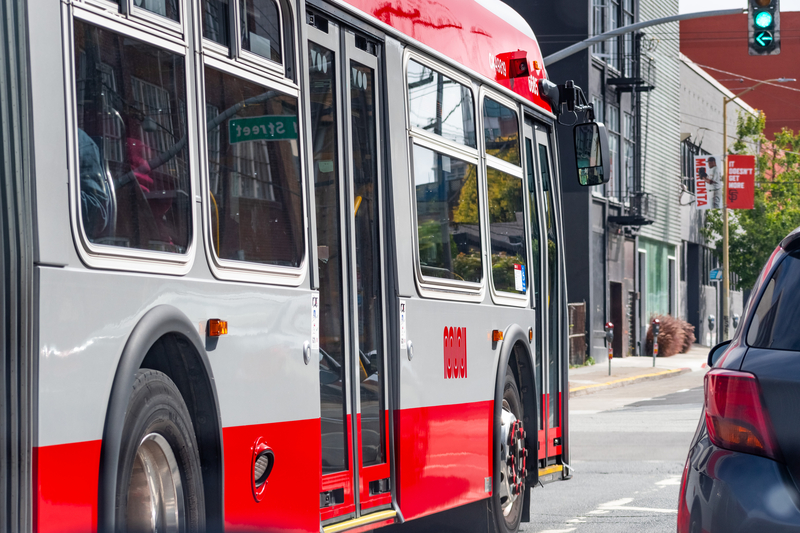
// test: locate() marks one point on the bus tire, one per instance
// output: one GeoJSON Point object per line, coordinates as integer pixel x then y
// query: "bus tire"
{"type": "Point", "coordinates": [510, 488]}
{"type": "Point", "coordinates": [159, 479]}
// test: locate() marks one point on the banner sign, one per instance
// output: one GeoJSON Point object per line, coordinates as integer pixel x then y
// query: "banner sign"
{"type": "Point", "coordinates": [741, 181]}
{"type": "Point", "coordinates": [266, 128]}
{"type": "Point", "coordinates": [708, 181]}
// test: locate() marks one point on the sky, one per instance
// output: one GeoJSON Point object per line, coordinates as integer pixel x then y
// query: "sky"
{"type": "Point", "coordinates": [691, 6]}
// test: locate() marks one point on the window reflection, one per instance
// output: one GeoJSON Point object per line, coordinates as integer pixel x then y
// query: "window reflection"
{"type": "Point", "coordinates": [216, 21]}
{"type": "Point", "coordinates": [165, 8]}
{"type": "Point", "coordinates": [448, 231]}
{"type": "Point", "coordinates": [501, 130]}
{"type": "Point", "coordinates": [367, 263]}
{"type": "Point", "coordinates": [254, 172]}
{"type": "Point", "coordinates": [440, 105]}
{"type": "Point", "coordinates": [507, 230]}
{"type": "Point", "coordinates": [332, 378]}
{"type": "Point", "coordinates": [134, 180]}
{"type": "Point", "coordinates": [261, 28]}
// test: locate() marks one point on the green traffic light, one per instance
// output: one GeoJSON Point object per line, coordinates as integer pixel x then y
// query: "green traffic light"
{"type": "Point", "coordinates": [763, 19]}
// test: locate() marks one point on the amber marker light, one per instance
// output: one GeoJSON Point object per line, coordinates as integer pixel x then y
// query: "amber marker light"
{"type": "Point", "coordinates": [497, 335]}
{"type": "Point", "coordinates": [217, 327]}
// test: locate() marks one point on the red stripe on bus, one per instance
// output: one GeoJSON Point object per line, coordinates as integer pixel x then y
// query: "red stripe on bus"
{"type": "Point", "coordinates": [291, 498]}
{"type": "Point", "coordinates": [65, 480]}
{"type": "Point", "coordinates": [443, 456]}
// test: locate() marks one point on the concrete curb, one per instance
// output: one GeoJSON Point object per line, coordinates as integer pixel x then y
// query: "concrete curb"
{"type": "Point", "coordinates": [590, 389]}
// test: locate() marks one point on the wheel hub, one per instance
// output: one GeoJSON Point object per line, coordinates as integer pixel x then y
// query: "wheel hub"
{"type": "Point", "coordinates": [155, 492]}
{"type": "Point", "coordinates": [513, 459]}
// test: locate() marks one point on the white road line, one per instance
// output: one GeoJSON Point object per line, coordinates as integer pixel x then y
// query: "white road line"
{"type": "Point", "coordinates": [621, 505]}
{"type": "Point", "coordinates": [674, 480]}
{"type": "Point", "coordinates": [683, 390]}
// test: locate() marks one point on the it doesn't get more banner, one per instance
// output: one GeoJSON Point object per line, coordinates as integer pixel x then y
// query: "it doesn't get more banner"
{"type": "Point", "coordinates": [708, 180]}
{"type": "Point", "coordinates": [741, 181]}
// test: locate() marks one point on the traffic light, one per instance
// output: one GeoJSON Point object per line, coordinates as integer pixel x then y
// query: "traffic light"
{"type": "Point", "coordinates": [764, 27]}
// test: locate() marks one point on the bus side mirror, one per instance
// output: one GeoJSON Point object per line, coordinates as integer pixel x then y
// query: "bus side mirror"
{"type": "Point", "coordinates": [591, 154]}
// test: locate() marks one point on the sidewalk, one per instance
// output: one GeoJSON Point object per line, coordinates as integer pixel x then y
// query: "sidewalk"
{"type": "Point", "coordinates": [627, 370]}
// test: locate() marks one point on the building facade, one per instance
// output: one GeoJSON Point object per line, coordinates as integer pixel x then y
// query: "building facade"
{"type": "Point", "coordinates": [623, 238]}
{"type": "Point", "coordinates": [701, 101]}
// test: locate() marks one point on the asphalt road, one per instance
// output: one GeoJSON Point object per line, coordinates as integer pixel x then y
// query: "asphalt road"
{"type": "Point", "coordinates": [629, 446]}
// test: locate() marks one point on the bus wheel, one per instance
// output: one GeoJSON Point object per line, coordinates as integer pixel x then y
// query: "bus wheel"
{"type": "Point", "coordinates": [513, 457]}
{"type": "Point", "coordinates": [159, 481]}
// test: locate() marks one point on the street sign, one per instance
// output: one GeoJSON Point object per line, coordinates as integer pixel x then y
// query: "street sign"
{"type": "Point", "coordinates": [264, 128]}
{"type": "Point", "coordinates": [715, 275]}
{"type": "Point", "coordinates": [741, 181]}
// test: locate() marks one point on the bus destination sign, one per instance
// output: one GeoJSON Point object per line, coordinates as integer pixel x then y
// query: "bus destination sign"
{"type": "Point", "coordinates": [265, 128]}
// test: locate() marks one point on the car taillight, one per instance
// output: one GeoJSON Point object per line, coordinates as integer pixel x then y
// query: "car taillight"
{"type": "Point", "coordinates": [735, 416]}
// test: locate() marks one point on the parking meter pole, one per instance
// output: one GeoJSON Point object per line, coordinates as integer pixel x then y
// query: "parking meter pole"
{"type": "Point", "coordinates": [656, 327]}
{"type": "Point", "coordinates": [610, 343]}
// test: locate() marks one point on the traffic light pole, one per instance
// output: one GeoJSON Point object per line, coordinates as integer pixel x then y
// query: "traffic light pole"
{"type": "Point", "coordinates": [586, 43]}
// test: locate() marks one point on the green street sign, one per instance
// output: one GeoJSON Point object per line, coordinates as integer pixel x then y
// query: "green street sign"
{"type": "Point", "coordinates": [764, 38]}
{"type": "Point", "coordinates": [265, 128]}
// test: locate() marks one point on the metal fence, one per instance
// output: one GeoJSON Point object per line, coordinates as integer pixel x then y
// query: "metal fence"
{"type": "Point", "coordinates": [577, 333]}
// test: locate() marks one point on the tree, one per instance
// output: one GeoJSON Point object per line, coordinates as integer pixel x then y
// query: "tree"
{"type": "Point", "coordinates": [754, 233]}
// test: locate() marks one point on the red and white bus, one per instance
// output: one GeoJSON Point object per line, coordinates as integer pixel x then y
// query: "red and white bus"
{"type": "Point", "coordinates": [278, 265]}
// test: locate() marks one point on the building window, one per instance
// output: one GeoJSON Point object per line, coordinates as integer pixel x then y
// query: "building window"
{"type": "Point", "coordinates": [613, 44]}
{"type": "Point", "coordinates": [627, 20]}
{"type": "Point", "coordinates": [598, 24]}
{"type": "Point", "coordinates": [614, 185]}
{"type": "Point", "coordinates": [629, 157]}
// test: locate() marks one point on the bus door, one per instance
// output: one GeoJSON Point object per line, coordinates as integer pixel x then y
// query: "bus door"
{"type": "Point", "coordinates": [344, 98]}
{"type": "Point", "coordinates": [545, 249]}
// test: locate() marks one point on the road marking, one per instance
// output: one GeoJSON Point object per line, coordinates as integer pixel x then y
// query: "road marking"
{"type": "Point", "coordinates": [583, 412]}
{"type": "Point", "coordinates": [683, 390]}
{"type": "Point", "coordinates": [558, 530]}
{"type": "Point", "coordinates": [598, 511]}
{"type": "Point", "coordinates": [622, 505]}
{"type": "Point", "coordinates": [674, 480]}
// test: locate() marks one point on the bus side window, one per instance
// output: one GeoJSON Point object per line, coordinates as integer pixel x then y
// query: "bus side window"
{"type": "Point", "coordinates": [506, 199]}
{"type": "Point", "coordinates": [132, 143]}
{"type": "Point", "coordinates": [255, 192]}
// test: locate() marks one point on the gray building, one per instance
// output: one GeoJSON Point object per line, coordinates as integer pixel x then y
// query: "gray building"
{"type": "Point", "coordinates": [701, 99]}
{"type": "Point", "coordinates": [623, 239]}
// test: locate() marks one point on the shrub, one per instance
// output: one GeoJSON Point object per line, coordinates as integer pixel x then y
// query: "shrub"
{"type": "Point", "coordinates": [688, 336]}
{"type": "Point", "coordinates": [674, 336]}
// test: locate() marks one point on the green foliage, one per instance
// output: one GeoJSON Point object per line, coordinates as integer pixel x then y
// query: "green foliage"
{"type": "Point", "coordinates": [505, 198]}
{"type": "Point", "coordinates": [754, 233]}
{"type": "Point", "coordinates": [503, 270]}
{"type": "Point", "coordinates": [468, 266]}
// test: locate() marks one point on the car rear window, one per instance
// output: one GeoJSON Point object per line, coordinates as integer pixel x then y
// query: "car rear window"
{"type": "Point", "coordinates": [775, 322]}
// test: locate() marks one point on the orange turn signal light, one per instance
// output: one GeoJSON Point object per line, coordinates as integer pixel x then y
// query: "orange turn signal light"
{"type": "Point", "coordinates": [530, 334]}
{"type": "Point", "coordinates": [497, 335]}
{"type": "Point", "coordinates": [217, 327]}
{"type": "Point", "coordinates": [535, 65]}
